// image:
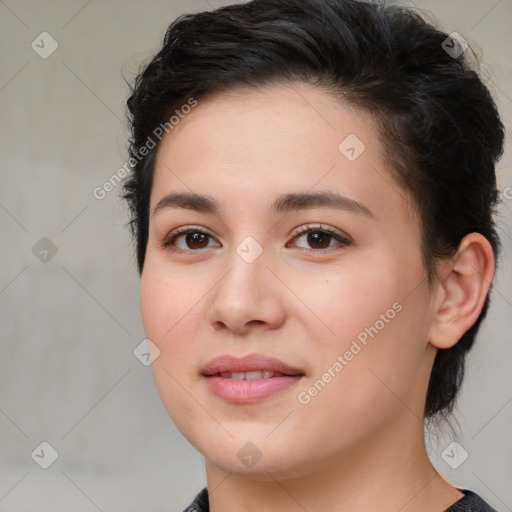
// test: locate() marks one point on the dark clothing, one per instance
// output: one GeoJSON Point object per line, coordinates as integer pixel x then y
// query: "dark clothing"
{"type": "Point", "coordinates": [470, 502]}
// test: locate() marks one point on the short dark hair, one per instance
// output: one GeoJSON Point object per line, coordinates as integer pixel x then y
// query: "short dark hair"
{"type": "Point", "coordinates": [437, 120]}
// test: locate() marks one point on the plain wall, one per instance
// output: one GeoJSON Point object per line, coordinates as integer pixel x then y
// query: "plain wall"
{"type": "Point", "coordinates": [69, 325]}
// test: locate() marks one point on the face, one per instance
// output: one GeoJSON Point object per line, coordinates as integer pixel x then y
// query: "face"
{"type": "Point", "coordinates": [298, 255]}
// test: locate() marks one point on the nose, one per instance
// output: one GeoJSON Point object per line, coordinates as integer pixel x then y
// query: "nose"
{"type": "Point", "coordinates": [247, 297]}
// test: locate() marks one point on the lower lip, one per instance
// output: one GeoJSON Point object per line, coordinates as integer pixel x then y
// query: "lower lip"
{"type": "Point", "coordinates": [249, 391]}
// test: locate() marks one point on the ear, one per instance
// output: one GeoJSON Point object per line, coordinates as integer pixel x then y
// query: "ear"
{"type": "Point", "coordinates": [463, 284]}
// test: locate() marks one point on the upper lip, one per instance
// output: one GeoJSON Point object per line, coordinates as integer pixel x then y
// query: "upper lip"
{"type": "Point", "coordinates": [252, 362]}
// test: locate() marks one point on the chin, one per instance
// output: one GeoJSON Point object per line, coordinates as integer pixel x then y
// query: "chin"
{"type": "Point", "coordinates": [260, 465]}
{"type": "Point", "coordinates": [252, 453]}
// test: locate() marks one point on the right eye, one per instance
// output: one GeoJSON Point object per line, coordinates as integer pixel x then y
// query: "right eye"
{"type": "Point", "coordinates": [186, 239]}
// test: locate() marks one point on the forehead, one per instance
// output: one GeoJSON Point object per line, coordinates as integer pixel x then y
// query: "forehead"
{"type": "Point", "coordinates": [281, 117]}
{"type": "Point", "coordinates": [257, 144]}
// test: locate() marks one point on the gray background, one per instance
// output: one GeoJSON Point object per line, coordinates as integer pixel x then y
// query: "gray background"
{"type": "Point", "coordinates": [69, 325]}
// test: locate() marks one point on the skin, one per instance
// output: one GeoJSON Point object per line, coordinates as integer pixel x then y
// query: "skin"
{"type": "Point", "coordinates": [358, 444]}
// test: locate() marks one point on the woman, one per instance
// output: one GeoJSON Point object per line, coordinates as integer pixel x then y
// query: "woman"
{"type": "Point", "coordinates": [312, 192]}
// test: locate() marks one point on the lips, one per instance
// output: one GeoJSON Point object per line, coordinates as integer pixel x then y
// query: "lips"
{"type": "Point", "coordinates": [248, 379]}
{"type": "Point", "coordinates": [252, 363]}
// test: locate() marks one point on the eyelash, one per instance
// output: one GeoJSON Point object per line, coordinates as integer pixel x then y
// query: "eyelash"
{"type": "Point", "coordinates": [170, 239]}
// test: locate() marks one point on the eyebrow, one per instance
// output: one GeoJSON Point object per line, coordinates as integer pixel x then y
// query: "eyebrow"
{"type": "Point", "coordinates": [283, 204]}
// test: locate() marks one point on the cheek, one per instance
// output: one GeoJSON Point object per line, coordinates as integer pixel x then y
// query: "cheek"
{"type": "Point", "coordinates": [170, 303]}
{"type": "Point", "coordinates": [349, 301]}
{"type": "Point", "coordinates": [377, 323]}
{"type": "Point", "coordinates": [168, 299]}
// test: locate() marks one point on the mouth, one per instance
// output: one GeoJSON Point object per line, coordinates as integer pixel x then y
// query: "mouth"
{"type": "Point", "coordinates": [251, 367]}
{"type": "Point", "coordinates": [249, 379]}
{"type": "Point", "coordinates": [253, 375]}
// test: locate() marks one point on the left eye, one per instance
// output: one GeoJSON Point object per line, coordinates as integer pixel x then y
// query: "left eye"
{"type": "Point", "coordinates": [319, 239]}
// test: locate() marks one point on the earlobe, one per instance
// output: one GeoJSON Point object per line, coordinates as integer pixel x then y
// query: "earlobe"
{"type": "Point", "coordinates": [463, 288]}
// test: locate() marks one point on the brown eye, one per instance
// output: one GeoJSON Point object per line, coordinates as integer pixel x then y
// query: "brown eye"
{"type": "Point", "coordinates": [317, 239]}
{"type": "Point", "coordinates": [196, 240]}
{"type": "Point", "coordinates": [187, 240]}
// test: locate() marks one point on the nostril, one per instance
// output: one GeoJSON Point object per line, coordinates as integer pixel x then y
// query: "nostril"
{"type": "Point", "coordinates": [257, 322]}
{"type": "Point", "coordinates": [218, 325]}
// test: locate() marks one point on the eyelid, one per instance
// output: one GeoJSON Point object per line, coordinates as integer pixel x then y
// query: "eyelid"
{"type": "Point", "coordinates": [306, 228]}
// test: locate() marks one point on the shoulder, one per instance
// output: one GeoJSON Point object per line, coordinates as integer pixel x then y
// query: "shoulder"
{"type": "Point", "coordinates": [470, 502]}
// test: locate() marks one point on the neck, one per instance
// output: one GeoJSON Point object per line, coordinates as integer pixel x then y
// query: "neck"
{"type": "Point", "coordinates": [389, 472]}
